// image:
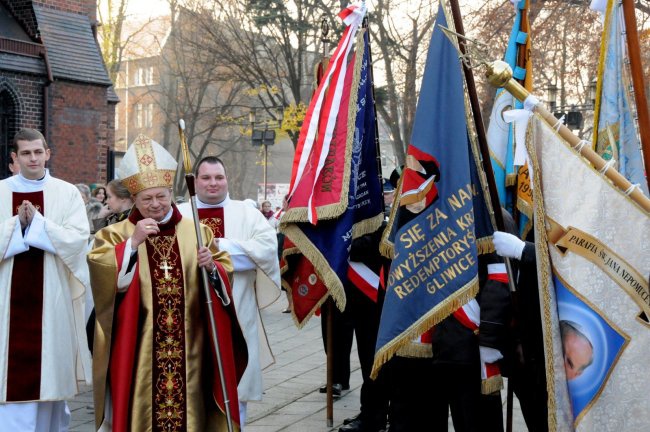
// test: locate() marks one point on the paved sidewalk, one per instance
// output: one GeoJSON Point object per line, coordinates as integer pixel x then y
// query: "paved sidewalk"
{"type": "Point", "coordinates": [291, 399]}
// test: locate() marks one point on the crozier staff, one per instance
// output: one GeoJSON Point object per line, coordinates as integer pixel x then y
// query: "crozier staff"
{"type": "Point", "coordinates": [153, 369]}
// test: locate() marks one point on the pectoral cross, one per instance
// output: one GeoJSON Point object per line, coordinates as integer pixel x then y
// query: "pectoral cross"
{"type": "Point", "coordinates": [166, 267]}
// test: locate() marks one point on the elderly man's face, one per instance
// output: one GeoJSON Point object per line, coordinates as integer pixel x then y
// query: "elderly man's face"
{"type": "Point", "coordinates": [154, 203]}
{"type": "Point", "coordinates": [578, 354]}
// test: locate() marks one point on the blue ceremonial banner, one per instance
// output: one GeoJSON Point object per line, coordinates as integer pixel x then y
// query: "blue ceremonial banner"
{"type": "Point", "coordinates": [615, 133]}
{"type": "Point", "coordinates": [442, 219]}
{"type": "Point", "coordinates": [511, 178]}
{"type": "Point", "coordinates": [327, 245]}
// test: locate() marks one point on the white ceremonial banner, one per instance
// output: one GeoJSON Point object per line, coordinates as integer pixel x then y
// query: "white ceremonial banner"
{"type": "Point", "coordinates": [593, 261]}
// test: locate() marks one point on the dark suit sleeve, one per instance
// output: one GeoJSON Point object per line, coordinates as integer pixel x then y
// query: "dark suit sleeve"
{"type": "Point", "coordinates": [528, 255]}
{"type": "Point", "coordinates": [496, 308]}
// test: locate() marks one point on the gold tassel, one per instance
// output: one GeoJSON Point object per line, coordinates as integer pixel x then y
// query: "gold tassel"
{"type": "Point", "coordinates": [492, 385]}
{"type": "Point", "coordinates": [485, 245]}
{"type": "Point", "coordinates": [511, 179]}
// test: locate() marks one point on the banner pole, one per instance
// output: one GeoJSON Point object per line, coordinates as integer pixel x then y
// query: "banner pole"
{"type": "Point", "coordinates": [634, 55]}
{"type": "Point", "coordinates": [480, 134]}
{"type": "Point", "coordinates": [330, 361]}
{"type": "Point", "coordinates": [499, 74]}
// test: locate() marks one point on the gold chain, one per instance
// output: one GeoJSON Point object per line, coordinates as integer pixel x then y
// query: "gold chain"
{"type": "Point", "coordinates": [163, 245]}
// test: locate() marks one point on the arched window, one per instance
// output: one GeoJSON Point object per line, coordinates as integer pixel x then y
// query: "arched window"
{"type": "Point", "coordinates": [8, 122]}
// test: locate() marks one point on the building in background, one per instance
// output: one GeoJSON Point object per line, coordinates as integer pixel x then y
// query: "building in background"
{"type": "Point", "coordinates": [53, 78]}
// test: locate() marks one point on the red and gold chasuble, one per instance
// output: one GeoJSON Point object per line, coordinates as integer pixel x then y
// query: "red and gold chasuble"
{"type": "Point", "coordinates": [25, 319]}
{"type": "Point", "coordinates": [213, 218]}
{"type": "Point", "coordinates": [162, 365]}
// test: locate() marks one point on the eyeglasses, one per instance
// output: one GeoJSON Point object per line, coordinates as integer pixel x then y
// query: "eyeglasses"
{"type": "Point", "coordinates": [163, 199]}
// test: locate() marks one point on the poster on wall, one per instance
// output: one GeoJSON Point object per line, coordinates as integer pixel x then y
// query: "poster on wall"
{"type": "Point", "coordinates": [275, 192]}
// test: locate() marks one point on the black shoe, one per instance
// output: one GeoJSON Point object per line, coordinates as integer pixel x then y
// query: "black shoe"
{"type": "Point", "coordinates": [351, 419]}
{"type": "Point", "coordinates": [336, 389]}
{"type": "Point", "coordinates": [359, 425]}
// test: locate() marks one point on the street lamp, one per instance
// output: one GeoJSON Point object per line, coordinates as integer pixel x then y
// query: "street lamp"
{"type": "Point", "coordinates": [593, 86]}
{"type": "Point", "coordinates": [551, 96]}
{"type": "Point", "coordinates": [573, 113]}
{"type": "Point", "coordinates": [264, 137]}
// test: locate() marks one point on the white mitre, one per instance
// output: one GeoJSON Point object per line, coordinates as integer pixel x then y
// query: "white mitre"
{"type": "Point", "coordinates": [146, 164]}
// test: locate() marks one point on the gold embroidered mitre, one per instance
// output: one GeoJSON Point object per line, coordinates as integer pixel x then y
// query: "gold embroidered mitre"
{"type": "Point", "coordinates": [146, 164]}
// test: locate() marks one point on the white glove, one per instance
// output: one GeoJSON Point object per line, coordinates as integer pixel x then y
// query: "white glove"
{"type": "Point", "coordinates": [508, 245]}
{"type": "Point", "coordinates": [489, 355]}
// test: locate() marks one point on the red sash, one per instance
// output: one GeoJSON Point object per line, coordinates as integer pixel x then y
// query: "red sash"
{"type": "Point", "coordinates": [26, 316]}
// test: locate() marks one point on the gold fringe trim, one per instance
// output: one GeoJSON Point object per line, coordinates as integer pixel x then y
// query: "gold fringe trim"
{"type": "Point", "coordinates": [511, 179]}
{"type": "Point", "coordinates": [433, 317]}
{"type": "Point", "coordinates": [524, 207]}
{"type": "Point", "coordinates": [476, 156]}
{"type": "Point", "coordinates": [492, 385]}
{"type": "Point", "coordinates": [332, 211]}
{"type": "Point", "coordinates": [493, 156]}
{"type": "Point", "coordinates": [367, 226]}
{"type": "Point", "coordinates": [543, 272]}
{"type": "Point", "coordinates": [601, 68]}
{"type": "Point", "coordinates": [415, 350]}
{"type": "Point", "coordinates": [321, 266]}
{"type": "Point", "coordinates": [301, 324]}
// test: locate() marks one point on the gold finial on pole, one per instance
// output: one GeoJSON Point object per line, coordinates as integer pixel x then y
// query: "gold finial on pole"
{"type": "Point", "coordinates": [499, 74]}
{"type": "Point", "coordinates": [187, 162]}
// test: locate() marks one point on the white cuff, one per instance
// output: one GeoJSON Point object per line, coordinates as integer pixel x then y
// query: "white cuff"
{"type": "Point", "coordinates": [240, 261]}
{"type": "Point", "coordinates": [36, 235]}
{"type": "Point", "coordinates": [17, 243]}
{"type": "Point", "coordinates": [490, 355]}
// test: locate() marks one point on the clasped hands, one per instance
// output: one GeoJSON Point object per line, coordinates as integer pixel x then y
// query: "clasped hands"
{"type": "Point", "coordinates": [148, 226]}
{"type": "Point", "coordinates": [26, 213]}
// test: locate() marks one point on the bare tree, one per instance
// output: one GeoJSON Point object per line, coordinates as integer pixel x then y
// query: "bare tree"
{"type": "Point", "coordinates": [112, 40]}
{"type": "Point", "coordinates": [269, 45]}
{"type": "Point", "coordinates": [402, 33]}
{"type": "Point", "coordinates": [196, 87]}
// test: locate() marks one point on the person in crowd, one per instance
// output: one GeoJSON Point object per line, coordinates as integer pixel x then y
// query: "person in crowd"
{"type": "Point", "coordinates": [14, 168]}
{"type": "Point", "coordinates": [267, 211]}
{"type": "Point", "coordinates": [362, 313]}
{"type": "Point", "coordinates": [93, 207]}
{"type": "Point", "coordinates": [245, 234]}
{"type": "Point", "coordinates": [466, 346]}
{"type": "Point", "coordinates": [99, 193]}
{"type": "Point", "coordinates": [117, 207]}
{"type": "Point", "coordinates": [389, 196]}
{"type": "Point", "coordinates": [153, 357]}
{"type": "Point", "coordinates": [43, 278]}
{"type": "Point", "coordinates": [275, 223]}
{"type": "Point", "coordinates": [528, 368]}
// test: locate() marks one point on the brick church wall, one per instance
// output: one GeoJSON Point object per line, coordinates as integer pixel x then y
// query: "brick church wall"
{"type": "Point", "coordinates": [81, 131]}
{"type": "Point", "coordinates": [29, 97]}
